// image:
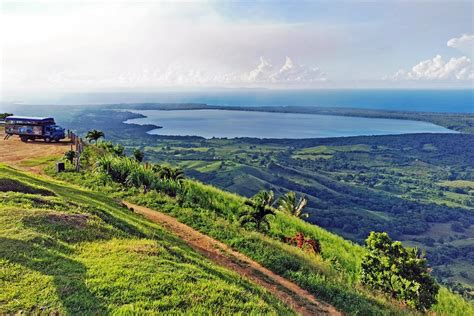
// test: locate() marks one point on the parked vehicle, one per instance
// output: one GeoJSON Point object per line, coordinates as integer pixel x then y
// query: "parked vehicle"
{"type": "Point", "coordinates": [32, 128]}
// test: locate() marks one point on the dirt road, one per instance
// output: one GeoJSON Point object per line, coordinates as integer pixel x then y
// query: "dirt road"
{"type": "Point", "coordinates": [298, 299]}
{"type": "Point", "coordinates": [23, 155]}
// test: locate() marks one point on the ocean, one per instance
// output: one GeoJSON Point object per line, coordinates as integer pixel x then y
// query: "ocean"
{"type": "Point", "coordinates": [457, 101]}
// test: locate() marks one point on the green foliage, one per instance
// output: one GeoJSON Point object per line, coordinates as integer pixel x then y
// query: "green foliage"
{"type": "Point", "coordinates": [111, 148]}
{"type": "Point", "coordinates": [259, 211]}
{"type": "Point", "coordinates": [129, 172]}
{"type": "Point", "coordinates": [398, 271]}
{"type": "Point", "coordinates": [5, 115]}
{"type": "Point", "coordinates": [288, 203]}
{"type": "Point", "coordinates": [168, 173]}
{"type": "Point", "coordinates": [70, 155]}
{"type": "Point", "coordinates": [138, 155]}
{"type": "Point", "coordinates": [94, 135]}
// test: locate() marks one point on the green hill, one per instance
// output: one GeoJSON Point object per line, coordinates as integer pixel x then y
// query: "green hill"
{"type": "Point", "coordinates": [68, 250]}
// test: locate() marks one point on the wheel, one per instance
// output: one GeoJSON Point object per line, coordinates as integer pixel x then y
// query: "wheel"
{"type": "Point", "coordinates": [24, 139]}
{"type": "Point", "coordinates": [47, 139]}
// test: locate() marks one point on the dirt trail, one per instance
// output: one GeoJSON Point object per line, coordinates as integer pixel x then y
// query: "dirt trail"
{"type": "Point", "coordinates": [298, 299]}
{"type": "Point", "coordinates": [16, 153]}
{"type": "Point", "coordinates": [21, 155]}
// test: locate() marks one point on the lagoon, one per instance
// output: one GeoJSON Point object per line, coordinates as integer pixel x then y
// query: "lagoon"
{"type": "Point", "coordinates": [233, 124]}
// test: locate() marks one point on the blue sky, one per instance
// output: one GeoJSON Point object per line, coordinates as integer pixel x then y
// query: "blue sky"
{"type": "Point", "coordinates": [70, 46]}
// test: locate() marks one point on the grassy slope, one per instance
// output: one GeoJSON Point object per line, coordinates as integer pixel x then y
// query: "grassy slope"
{"type": "Point", "coordinates": [79, 252]}
{"type": "Point", "coordinates": [332, 277]}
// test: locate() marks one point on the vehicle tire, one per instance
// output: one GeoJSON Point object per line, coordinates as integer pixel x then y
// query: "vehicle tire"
{"type": "Point", "coordinates": [47, 139]}
{"type": "Point", "coordinates": [24, 139]}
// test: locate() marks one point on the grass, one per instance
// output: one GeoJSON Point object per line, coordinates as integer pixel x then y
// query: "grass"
{"type": "Point", "coordinates": [38, 162]}
{"type": "Point", "coordinates": [327, 150]}
{"type": "Point", "coordinates": [458, 184]}
{"type": "Point", "coordinates": [80, 252]}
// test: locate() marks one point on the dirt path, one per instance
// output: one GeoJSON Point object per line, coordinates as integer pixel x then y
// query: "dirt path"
{"type": "Point", "coordinates": [23, 155]}
{"type": "Point", "coordinates": [298, 299]}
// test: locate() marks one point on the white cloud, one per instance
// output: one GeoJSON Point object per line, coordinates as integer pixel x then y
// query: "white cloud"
{"type": "Point", "coordinates": [292, 72]}
{"type": "Point", "coordinates": [289, 72]}
{"type": "Point", "coordinates": [437, 69]}
{"type": "Point", "coordinates": [264, 75]}
{"type": "Point", "coordinates": [464, 43]}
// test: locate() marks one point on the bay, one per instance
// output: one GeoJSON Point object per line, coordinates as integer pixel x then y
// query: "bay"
{"type": "Point", "coordinates": [232, 124]}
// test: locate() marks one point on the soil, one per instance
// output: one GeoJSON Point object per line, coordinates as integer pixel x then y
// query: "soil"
{"type": "Point", "coordinates": [14, 152]}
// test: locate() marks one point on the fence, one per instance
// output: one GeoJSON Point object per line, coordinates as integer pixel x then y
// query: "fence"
{"type": "Point", "coordinates": [77, 145]}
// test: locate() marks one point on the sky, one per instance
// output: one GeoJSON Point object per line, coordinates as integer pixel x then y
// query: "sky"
{"type": "Point", "coordinates": [93, 46]}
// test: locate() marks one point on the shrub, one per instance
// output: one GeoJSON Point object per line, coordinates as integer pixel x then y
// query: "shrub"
{"type": "Point", "coordinates": [398, 271]}
{"type": "Point", "coordinates": [138, 155]}
{"type": "Point", "coordinates": [259, 211]}
{"type": "Point", "coordinates": [70, 155]}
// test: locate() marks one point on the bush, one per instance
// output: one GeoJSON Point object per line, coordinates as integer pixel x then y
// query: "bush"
{"type": "Point", "coordinates": [138, 155]}
{"type": "Point", "coordinates": [398, 271]}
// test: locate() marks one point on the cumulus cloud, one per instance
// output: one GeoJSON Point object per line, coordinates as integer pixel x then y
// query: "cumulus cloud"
{"type": "Point", "coordinates": [464, 43]}
{"type": "Point", "coordinates": [437, 69]}
{"type": "Point", "coordinates": [264, 74]}
{"type": "Point", "coordinates": [261, 73]}
{"type": "Point", "coordinates": [289, 72]}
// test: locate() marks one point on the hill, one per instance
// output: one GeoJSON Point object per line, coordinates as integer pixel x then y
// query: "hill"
{"type": "Point", "coordinates": [70, 251]}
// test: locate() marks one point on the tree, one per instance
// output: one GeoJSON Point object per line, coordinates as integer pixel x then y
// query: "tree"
{"type": "Point", "coordinates": [94, 135]}
{"type": "Point", "coordinates": [5, 115]}
{"type": "Point", "coordinates": [70, 155]}
{"type": "Point", "coordinates": [168, 173]}
{"type": "Point", "coordinates": [401, 272]}
{"type": "Point", "coordinates": [288, 204]}
{"type": "Point", "coordinates": [260, 210]}
{"type": "Point", "coordinates": [138, 155]}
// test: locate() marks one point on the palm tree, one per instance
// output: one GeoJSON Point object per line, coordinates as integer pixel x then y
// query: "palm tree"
{"type": "Point", "coordinates": [260, 210]}
{"type": "Point", "coordinates": [94, 135]}
{"type": "Point", "coordinates": [288, 204]}
{"type": "Point", "coordinates": [168, 173]}
{"type": "Point", "coordinates": [176, 174]}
